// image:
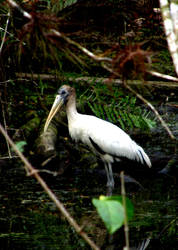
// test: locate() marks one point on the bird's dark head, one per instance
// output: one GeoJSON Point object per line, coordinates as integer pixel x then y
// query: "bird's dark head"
{"type": "Point", "coordinates": [63, 95]}
{"type": "Point", "coordinates": [65, 92]}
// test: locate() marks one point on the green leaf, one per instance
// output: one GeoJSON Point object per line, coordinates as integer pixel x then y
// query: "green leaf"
{"type": "Point", "coordinates": [20, 145]}
{"type": "Point", "coordinates": [111, 212]}
{"type": "Point", "coordinates": [129, 205]}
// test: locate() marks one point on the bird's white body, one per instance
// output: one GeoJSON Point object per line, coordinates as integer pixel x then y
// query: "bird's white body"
{"type": "Point", "coordinates": [109, 138]}
{"type": "Point", "coordinates": [104, 138]}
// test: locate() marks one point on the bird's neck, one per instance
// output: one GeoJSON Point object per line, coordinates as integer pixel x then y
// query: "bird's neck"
{"type": "Point", "coordinates": [71, 109]}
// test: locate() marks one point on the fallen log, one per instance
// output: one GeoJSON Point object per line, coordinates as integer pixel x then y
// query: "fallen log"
{"type": "Point", "coordinates": [88, 80]}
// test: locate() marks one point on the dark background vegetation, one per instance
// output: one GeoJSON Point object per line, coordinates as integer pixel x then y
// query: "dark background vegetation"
{"type": "Point", "coordinates": [107, 28]}
{"type": "Point", "coordinates": [104, 27]}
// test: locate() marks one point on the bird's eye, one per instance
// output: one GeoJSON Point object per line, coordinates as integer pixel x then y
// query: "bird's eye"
{"type": "Point", "coordinates": [63, 92]}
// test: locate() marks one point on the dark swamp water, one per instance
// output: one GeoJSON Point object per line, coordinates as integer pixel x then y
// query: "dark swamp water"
{"type": "Point", "coordinates": [29, 220]}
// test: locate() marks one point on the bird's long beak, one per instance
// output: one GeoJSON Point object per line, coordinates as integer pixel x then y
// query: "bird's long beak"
{"type": "Point", "coordinates": [58, 102]}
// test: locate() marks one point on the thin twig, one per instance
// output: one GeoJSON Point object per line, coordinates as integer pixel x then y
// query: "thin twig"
{"type": "Point", "coordinates": [144, 101]}
{"type": "Point", "coordinates": [157, 74]}
{"type": "Point", "coordinates": [10, 80]}
{"type": "Point", "coordinates": [152, 108]}
{"type": "Point", "coordinates": [5, 125]}
{"type": "Point", "coordinates": [166, 227]}
{"type": "Point", "coordinates": [13, 4]}
{"type": "Point", "coordinates": [83, 49]}
{"type": "Point", "coordinates": [11, 35]}
{"type": "Point", "coordinates": [126, 227]}
{"type": "Point", "coordinates": [7, 157]}
{"type": "Point", "coordinates": [5, 32]}
{"type": "Point", "coordinates": [53, 173]}
{"type": "Point", "coordinates": [52, 196]}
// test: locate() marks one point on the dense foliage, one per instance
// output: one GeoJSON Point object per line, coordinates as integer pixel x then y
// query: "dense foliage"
{"type": "Point", "coordinates": [105, 28]}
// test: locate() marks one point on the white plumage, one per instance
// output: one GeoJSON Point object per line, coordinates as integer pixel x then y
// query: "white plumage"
{"type": "Point", "coordinates": [104, 138]}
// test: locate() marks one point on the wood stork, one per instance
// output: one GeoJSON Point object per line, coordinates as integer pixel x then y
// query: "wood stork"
{"type": "Point", "coordinates": [104, 138]}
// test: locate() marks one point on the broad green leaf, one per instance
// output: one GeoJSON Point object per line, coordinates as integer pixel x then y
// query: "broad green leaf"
{"type": "Point", "coordinates": [111, 212]}
{"type": "Point", "coordinates": [20, 145]}
{"type": "Point", "coordinates": [129, 205]}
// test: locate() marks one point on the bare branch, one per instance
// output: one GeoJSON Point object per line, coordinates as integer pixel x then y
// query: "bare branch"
{"type": "Point", "coordinates": [13, 4]}
{"type": "Point", "coordinates": [5, 32]}
{"type": "Point", "coordinates": [7, 157]}
{"type": "Point", "coordinates": [83, 49]}
{"type": "Point", "coordinates": [152, 108]}
{"type": "Point", "coordinates": [157, 74]}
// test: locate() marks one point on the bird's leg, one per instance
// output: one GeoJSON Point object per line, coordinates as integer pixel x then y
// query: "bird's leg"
{"type": "Point", "coordinates": [110, 179]}
{"type": "Point", "coordinates": [111, 175]}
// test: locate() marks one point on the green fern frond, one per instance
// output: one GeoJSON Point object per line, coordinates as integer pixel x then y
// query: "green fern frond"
{"type": "Point", "coordinates": [126, 114]}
